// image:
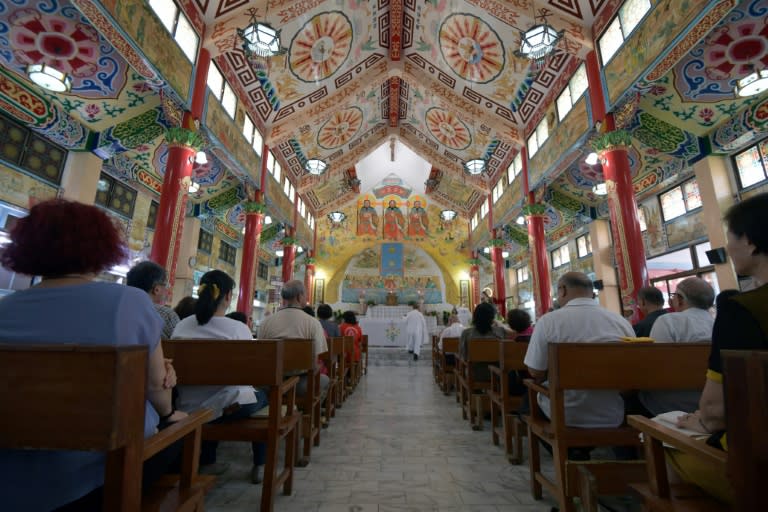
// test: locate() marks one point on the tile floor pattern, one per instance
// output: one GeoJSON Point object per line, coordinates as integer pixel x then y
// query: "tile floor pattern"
{"type": "Point", "coordinates": [397, 444]}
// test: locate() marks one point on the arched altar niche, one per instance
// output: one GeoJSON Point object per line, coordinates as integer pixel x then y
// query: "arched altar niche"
{"type": "Point", "coordinates": [404, 269]}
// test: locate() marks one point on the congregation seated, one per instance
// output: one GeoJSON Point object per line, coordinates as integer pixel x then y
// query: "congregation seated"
{"type": "Point", "coordinates": [291, 321]}
{"type": "Point", "coordinates": [650, 302]}
{"type": "Point", "coordinates": [331, 328]}
{"type": "Point", "coordinates": [153, 279]}
{"type": "Point", "coordinates": [228, 403]}
{"type": "Point", "coordinates": [185, 307]}
{"type": "Point", "coordinates": [691, 322]}
{"type": "Point", "coordinates": [483, 327]}
{"type": "Point", "coordinates": [579, 319]}
{"type": "Point", "coordinates": [519, 321]}
{"type": "Point", "coordinates": [350, 327]}
{"type": "Point", "coordinates": [453, 330]}
{"type": "Point", "coordinates": [68, 244]}
{"type": "Point", "coordinates": [741, 324]}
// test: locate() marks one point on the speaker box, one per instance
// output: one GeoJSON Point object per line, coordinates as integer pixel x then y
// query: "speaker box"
{"type": "Point", "coordinates": [506, 264]}
{"type": "Point", "coordinates": [598, 284]}
{"type": "Point", "coordinates": [716, 255]}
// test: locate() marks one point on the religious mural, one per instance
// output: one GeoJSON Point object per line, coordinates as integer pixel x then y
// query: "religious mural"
{"type": "Point", "coordinates": [369, 275]}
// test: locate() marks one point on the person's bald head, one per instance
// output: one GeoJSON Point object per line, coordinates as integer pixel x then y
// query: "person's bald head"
{"type": "Point", "coordinates": [693, 292]}
{"type": "Point", "coordinates": [293, 292]}
{"type": "Point", "coordinates": [573, 285]}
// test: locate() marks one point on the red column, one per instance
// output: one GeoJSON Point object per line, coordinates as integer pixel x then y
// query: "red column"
{"type": "Point", "coordinates": [254, 222]}
{"type": "Point", "coordinates": [309, 281]}
{"type": "Point", "coordinates": [500, 292]}
{"type": "Point", "coordinates": [622, 205]}
{"type": "Point", "coordinates": [289, 256]}
{"type": "Point", "coordinates": [625, 227]}
{"type": "Point", "coordinates": [537, 245]}
{"type": "Point", "coordinates": [474, 283]}
{"type": "Point", "coordinates": [170, 212]}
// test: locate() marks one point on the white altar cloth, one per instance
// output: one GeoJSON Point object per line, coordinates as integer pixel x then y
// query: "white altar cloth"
{"type": "Point", "coordinates": [389, 332]}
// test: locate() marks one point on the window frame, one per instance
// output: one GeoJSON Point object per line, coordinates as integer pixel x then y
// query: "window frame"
{"type": "Point", "coordinates": [624, 34]}
{"type": "Point", "coordinates": [223, 90]}
{"type": "Point", "coordinates": [115, 183]}
{"type": "Point", "coordinates": [559, 250]}
{"type": "Point", "coordinates": [227, 251]}
{"type": "Point", "coordinates": [535, 137]}
{"type": "Point", "coordinates": [205, 236]}
{"type": "Point", "coordinates": [763, 160]}
{"type": "Point", "coordinates": [173, 30]}
{"type": "Point", "coordinates": [588, 240]}
{"type": "Point", "coordinates": [687, 211]}
{"type": "Point", "coordinates": [571, 100]}
{"type": "Point", "coordinates": [522, 270]}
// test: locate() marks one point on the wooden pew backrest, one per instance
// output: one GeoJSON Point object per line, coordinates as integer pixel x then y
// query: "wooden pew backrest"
{"type": "Point", "coordinates": [94, 395]}
{"type": "Point", "coordinates": [511, 355]}
{"type": "Point", "coordinates": [451, 345]}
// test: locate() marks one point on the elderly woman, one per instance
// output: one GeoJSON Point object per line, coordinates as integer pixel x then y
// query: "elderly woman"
{"type": "Point", "coordinates": [68, 244]}
{"type": "Point", "coordinates": [740, 325]}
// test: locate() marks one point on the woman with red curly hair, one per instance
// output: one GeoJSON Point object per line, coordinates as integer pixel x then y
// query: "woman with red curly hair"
{"type": "Point", "coordinates": [68, 244]}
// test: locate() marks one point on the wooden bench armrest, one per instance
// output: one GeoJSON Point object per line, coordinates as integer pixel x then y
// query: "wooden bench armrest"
{"type": "Point", "coordinates": [289, 384]}
{"type": "Point", "coordinates": [531, 384]}
{"type": "Point", "coordinates": [682, 442]}
{"type": "Point", "coordinates": [495, 370]}
{"type": "Point", "coordinates": [168, 436]}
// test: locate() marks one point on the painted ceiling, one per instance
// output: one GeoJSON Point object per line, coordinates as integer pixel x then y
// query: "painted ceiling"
{"type": "Point", "coordinates": [437, 78]}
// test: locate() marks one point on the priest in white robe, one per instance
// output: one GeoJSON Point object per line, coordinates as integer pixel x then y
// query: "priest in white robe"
{"type": "Point", "coordinates": [417, 331]}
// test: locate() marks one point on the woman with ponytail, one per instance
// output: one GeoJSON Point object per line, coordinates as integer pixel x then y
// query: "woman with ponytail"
{"type": "Point", "coordinates": [227, 402]}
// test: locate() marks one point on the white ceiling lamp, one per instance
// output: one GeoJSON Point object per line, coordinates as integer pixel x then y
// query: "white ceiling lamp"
{"type": "Point", "coordinates": [259, 38]}
{"type": "Point", "coordinates": [201, 158]}
{"type": "Point", "coordinates": [49, 77]}
{"type": "Point", "coordinates": [591, 159]}
{"type": "Point", "coordinates": [487, 250]}
{"type": "Point", "coordinates": [520, 220]}
{"type": "Point", "coordinates": [336, 217]}
{"type": "Point", "coordinates": [267, 220]}
{"type": "Point", "coordinates": [505, 254]}
{"type": "Point", "coordinates": [600, 189]}
{"type": "Point", "coordinates": [475, 166]}
{"type": "Point", "coordinates": [538, 41]}
{"type": "Point", "coordinates": [279, 253]}
{"type": "Point", "coordinates": [315, 166]}
{"type": "Point", "coordinates": [752, 84]}
{"type": "Point", "coordinates": [194, 187]}
{"type": "Point", "coordinates": [299, 249]}
{"type": "Point", "coordinates": [448, 215]}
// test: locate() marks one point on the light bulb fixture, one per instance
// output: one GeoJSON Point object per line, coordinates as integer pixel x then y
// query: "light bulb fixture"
{"type": "Point", "coordinates": [336, 217]}
{"type": "Point", "coordinates": [259, 38]}
{"type": "Point", "coordinates": [201, 158]}
{"type": "Point", "coordinates": [538, 41]}
{"type": "Point", "coordinates": [600, 189]}
{"type": "Point", "coordinates": [267, 220]}
{"type": "Point", "coordinates": [505, 254]}
{"type": "Point", "coordinates": [754, 83]}
{"type": "Point", "coordinates": [591, 159]}
{"type": "Point", "coordinates": [315, 166]}
{"type": "Point", "coordinates": [194, 187]}
{"type": "Point", "coordinates": [299, 249]}
{"type": "Point", "coordinates": [448, 215]}
{"type": "Point", "coordinates": [487, 250]}
{"type": "Point", "coordinates": [279, 253]}
{"type": "Point", "coordinates": [49, 77]}
{"type": "Point", "coordinates": [475, 166]}
{"type": "Point", "coordinates": [520, 220]}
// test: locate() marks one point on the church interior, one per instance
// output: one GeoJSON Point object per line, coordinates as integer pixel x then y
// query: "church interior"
{"type": "Point", "coordinates": [386, 153]}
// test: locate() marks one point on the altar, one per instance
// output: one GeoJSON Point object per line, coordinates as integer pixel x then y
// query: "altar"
{"type": "Point", "coordinates": [385, 325]}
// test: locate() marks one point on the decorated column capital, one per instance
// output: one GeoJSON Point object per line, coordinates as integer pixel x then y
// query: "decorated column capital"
{"type": "Point", "coordinates": [616, 139]}
{"type": "Point", "coordinates": [535, 210]}
{"type": "Point", "coordinates": [182, 137]}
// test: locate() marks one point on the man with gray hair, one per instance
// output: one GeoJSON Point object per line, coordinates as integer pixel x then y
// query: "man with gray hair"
{"type": "Point", "coordinates": [691, 322]}
{"type": "Point", "coordinates": [579, 319]}
{"type": "Point", "coordinates": [291, 321]}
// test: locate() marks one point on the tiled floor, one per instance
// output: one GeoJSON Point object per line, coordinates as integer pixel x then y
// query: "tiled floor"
{"type": "Point", "coordinates": [398, 444]}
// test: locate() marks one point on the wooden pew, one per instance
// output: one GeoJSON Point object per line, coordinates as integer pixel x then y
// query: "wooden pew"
{"type": "Point", "coordinates": [343, 370]}
{"type": "Point", "coordinates": [298, 358]}
{"type": "Point", "coordinates": [48, 401]}
{"type": "Point", "coordinates": [365, 354]}
{"type": "Point", "coordinates": [232, 363]}
{"type": "Point", "coordinates": [331, 360]}
{"type": "Point", "coordinates": [479, 351]}
{"type": "Point", "coordinates": [745, 463]}
{"type": "Point", "coordinates": [448, 371]}
{"type": "Point", "coordinates": [505, 422]}
{"type": "Point", "coordinates": [349, 366]}
{"type": "Point", "coordinates": [435, 358]}
{"type": "Point", "coordinates": [601, 366]}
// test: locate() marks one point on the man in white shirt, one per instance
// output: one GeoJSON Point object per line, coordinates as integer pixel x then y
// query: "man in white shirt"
{"type": "Point", "coordinates": [417, 331]}
{"type": "Point", "coordinates": [579, 319]}
{"type": "Point", "coordinates": [453, 330]}
{"type": "Point", "coordinates": [291, 321]}
{"type": "Point", "coordinates": [690, 323]}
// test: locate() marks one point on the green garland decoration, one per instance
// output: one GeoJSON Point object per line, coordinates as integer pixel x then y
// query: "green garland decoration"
{"type": "Point", "coordinates": [254, 207]}
{"type": "Point", "coordinates": [611, 139]}
{"type": "Point", "coordinates": [288, 240]}
{"type": "Point", "coordinates": [184, 137]}
{"type": "Point", "coordinates": [496, 242]}
{"type": "Point", "coordinates": [309, 261]}
{"type": "Point", "coordinates": [474, 261]}
{"type": "Point", "coordinates": [534, 209]}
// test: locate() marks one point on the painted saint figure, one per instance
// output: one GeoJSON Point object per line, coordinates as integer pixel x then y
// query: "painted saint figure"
{"type": "Point", "coordinates": [367, 220]}
{"type": "Point", "coordinates": [394, 222]}
{"type": "Point", "coordinates": [418, 223]}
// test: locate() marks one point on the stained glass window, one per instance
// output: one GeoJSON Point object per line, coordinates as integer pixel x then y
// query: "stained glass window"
{"type": "Point", "coordinates": [672, 203]}
{"type": "Point", "coordinates": [751, 166]}
{"type": "Point", "coordinates": [692, 196]}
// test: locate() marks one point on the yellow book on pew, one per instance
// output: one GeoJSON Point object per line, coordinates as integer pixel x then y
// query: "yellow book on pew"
{"type": "Point", "coordinates": [642, 339]}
